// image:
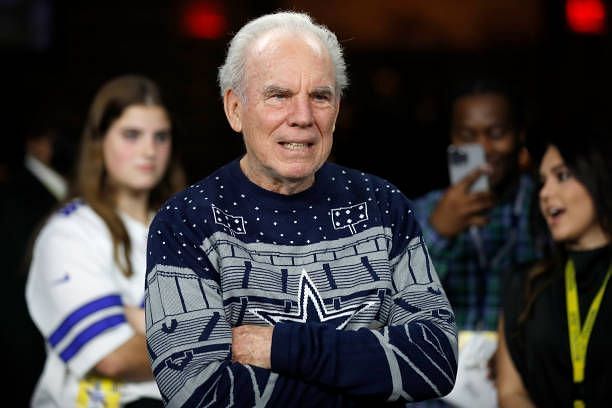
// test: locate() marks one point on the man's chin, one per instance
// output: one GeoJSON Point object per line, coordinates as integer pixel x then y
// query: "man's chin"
{"type": "Point", "coordinates": [504, 185]}
{"type": "Point", "coordinates": [298, 171]}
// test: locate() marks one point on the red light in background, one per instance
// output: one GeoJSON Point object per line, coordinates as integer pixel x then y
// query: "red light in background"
{"type": "Point", "coordinates": [586, 16]}
{"type": "Point", "coordinates": [203, 20]}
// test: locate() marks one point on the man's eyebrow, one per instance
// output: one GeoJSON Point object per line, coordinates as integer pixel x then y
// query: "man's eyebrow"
{"type": "Point", "coordinates": [274, 90]}
{"type": "Point", "coordinates": [323, 90]}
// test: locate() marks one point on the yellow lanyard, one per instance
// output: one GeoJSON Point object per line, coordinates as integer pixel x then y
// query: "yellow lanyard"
{"type": "Point", "coordinates": [579, 336]}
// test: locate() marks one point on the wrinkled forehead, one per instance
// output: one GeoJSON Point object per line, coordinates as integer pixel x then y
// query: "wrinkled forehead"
{"type": "Point", "coordinates": [278, 39]}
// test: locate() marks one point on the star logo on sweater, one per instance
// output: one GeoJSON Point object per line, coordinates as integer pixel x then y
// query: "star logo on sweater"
{"type": "Point", "coordinates": [311, 308]}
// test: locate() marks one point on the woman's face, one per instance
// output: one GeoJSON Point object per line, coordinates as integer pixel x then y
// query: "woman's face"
{"type": "Point", "coordinates": [137, 149]}
{"type": "Point", "coordinates": [567, 205]}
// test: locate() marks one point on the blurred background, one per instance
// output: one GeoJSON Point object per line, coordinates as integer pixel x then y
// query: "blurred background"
{"type": "Point", "coordinates": [403, 56]}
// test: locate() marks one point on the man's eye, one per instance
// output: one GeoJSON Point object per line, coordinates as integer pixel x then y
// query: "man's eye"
{"type": "Point", "coordinates": [465, 135]}
{"type": "Point", "coordinates": [497, 132]}
{"type": "Point", "coordinates": [322, 97]}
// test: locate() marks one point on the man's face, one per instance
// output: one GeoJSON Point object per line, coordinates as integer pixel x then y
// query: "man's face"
{"type": "Point", "coordinates": [288, 113]}
{"type": "Point", "coordinates": [485, 119]}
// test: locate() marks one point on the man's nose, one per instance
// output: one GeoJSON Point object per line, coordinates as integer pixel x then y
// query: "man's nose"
{"type": "Point", "coordinates": [485, 142]}
{"type": "Point", "coordinates": [301, 112]}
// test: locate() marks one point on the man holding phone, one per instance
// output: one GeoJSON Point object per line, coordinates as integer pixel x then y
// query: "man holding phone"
{"type": "Point", "coordinates": [474, 237]}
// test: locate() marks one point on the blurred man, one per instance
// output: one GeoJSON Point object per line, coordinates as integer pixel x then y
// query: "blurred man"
{"type": "Point", "coordinates": [32, 191]}
{"type": "Point", "coordinates": [475, 237]}
{"type": "Point", "coordinates": [283, 279]}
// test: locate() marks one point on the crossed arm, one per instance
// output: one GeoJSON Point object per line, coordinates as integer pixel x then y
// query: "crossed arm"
{"type": "Point", "coordinates": [252, 345]}
{"type": "Point", "coordinates": [411, 358]}
{"type": "Point", "coordinates": [407, 352]}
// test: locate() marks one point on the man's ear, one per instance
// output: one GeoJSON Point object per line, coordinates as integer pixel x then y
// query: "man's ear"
{"type": "Point", "coordinates": [524, 157]}
{"type": "Point", "coordinates": [336, 117]}
{"type": "Point", "coordinates": [232, 104]}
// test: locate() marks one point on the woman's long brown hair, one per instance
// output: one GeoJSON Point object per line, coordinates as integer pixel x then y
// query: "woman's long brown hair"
{"type": "Point", "coordinates": [91, 181]}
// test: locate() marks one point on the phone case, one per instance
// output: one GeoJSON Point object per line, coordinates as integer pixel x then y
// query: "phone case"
{"type": "Point", "coordinates": [462, 160]}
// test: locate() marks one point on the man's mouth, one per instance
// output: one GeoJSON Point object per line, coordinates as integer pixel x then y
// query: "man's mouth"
{"type": "Point", "coordinates": [295, 146]}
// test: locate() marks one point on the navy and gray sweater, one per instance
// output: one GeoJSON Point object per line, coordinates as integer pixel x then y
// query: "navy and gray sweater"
{"type": "Point", "coordinates": [341, 272]}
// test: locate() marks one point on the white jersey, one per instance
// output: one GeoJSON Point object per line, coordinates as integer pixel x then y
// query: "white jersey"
{"type": "Point", "coordinates": [75, 294]}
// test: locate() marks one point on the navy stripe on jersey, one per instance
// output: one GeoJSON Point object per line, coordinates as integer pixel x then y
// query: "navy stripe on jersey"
{"type": "Point", "coordinates": [81, 313]}
{"type": "Point", "coordinates": [91, 332]}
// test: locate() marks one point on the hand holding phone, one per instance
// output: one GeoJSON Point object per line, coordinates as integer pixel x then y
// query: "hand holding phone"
{"type": "Point", "coordinates": [465, 202]}
{"type": "Point", "coordinates": [463, 160]}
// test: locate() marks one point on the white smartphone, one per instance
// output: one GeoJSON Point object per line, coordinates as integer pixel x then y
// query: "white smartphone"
{"type": "Point", "coordinates": [462, 160]}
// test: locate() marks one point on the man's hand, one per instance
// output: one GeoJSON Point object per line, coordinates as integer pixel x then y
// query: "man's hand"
{"type": "Point", "coordinates": [252, 345]}
{"type": "Point", "coordinates": [459, 209]}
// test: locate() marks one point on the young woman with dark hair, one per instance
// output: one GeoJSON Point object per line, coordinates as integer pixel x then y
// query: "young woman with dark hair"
{"type": "Point", "coordinates": [557, 325]}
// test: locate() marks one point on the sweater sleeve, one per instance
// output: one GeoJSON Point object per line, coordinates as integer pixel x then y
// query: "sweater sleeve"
{"type": "Point", "coordinates": [411, 358]}
{"type": "Point", "coordinates": [441, 248]}
{"type": "Point", "coordinates": [189, 338]}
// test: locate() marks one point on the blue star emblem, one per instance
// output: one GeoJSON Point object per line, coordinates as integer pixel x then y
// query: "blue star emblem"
{"type": "Point", "coordinates": [311, 308]}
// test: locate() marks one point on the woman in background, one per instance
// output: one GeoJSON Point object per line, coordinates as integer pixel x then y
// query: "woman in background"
{"type": "Point", "coordinates": [557, 326]}
{"type": "Point", "coordinates": [86, 280]}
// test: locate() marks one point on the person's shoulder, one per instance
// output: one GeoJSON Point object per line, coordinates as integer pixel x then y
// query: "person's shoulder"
{"type": "Point", "coordinates": [528, 183]}
{"type": "Point", "coordinates": [527, 177]}
{"type": "Point", "coordinates": [76, 215]}
{"type": "Point", "coordinates": [197, 196]}
{"type": "Point", "coordinates": [513, 283]}
{"type": "Point", "coordinates": [429, 196]}
{"type": "Point", "coordinates": [336, 171]}
{"type": "Point", "coordinates": [517, 273]}
{"type": "Point", "coordinates": [193, 192]}
{"type": "Point", "coordinates": [513, 279]}
{"type": "Point", "coordinates": [76, 210]}
{"type": "Point", "coordinates": [75, 223]}
{"type": "Point", "coordinates": [23, 188]}
{"type": "Point", "coordinates": [198, 189]}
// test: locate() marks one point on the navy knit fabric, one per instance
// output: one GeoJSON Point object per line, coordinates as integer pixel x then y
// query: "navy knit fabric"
{"type": "Point", "coordinates": [341, 272]}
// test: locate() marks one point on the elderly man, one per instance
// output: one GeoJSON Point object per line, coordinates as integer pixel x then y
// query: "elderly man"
{"type": "Point", "coordinates": [282, 279]}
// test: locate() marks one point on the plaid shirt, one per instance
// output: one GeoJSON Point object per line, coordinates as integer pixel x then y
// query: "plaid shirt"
{"type": "Point", "coordinates": [472, 277]}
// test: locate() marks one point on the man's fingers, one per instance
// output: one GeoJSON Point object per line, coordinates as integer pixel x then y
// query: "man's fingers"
{"type": "Point", "coordinates": [478, 220]}
{"type": "Point", "coordinates": [478, 204]}
{"type": "Point", "coordinates": [471, 177]}
{"type": "Point", "coordinates": [482, 196]}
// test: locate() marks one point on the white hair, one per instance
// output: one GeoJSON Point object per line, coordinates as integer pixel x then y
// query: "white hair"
{"type": "Point", "coordinates": [232, 72]}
